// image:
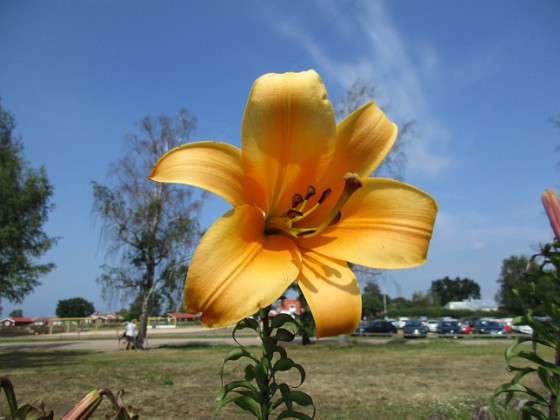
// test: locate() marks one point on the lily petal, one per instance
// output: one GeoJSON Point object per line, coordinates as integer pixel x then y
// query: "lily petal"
{"type": "Point", "coordinates": [363, 140]}
{"type": "Point", "coordinates": [236, 269]}
{"type": "Point", "coordinates": [552, 206]}
{"type": "Point", "coordinates": [288, 137]}
{"type": "Point", "coordinates": [327, 284]}
{"type": "Point", "coordinates": [214, 166]}
{"type": "Point", "coordinates": [384, 224]}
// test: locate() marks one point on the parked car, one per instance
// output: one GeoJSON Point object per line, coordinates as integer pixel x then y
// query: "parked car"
{"type": "Point", "coordinates": [378, 326]}
{"type": "Point", "coordinates": [414, 329]}
{"type": "Point", "coordinates": [524, 329]}
{"type": "Point", "coordinates": [432, 324]}
{"type": "Point", "coordinates": [487, 326]}
{"type": "Point", "coordinates": [452, 328]}
{"type": "Point", "coordinates": [401, 322]}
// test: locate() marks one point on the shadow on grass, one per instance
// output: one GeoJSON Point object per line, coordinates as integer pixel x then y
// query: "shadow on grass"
{"type": "Point", "coordinates": [41, 358]}
{"type": "Point", "coordinates": [191, 345]}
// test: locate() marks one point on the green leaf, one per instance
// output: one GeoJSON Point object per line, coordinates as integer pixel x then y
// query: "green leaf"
{"type": "Point", "coordinates": [281, 351]}
{"type": "Point", "coordinates": [246, 323]}
{"type": "Point", "coordinates": [243, 401]}
{"type": "Point", "coordinates": [283, 334]}
{"type": "Point", "coordinates": [300, 398]}
{"type": "Point", "coordinates": [521, 388]}
{"type": "Point", "coordinates": [8, 388]}
{"type": "Point", "coordinates": [283, 364]}
{"type": "Point", "coordinates": [547, 380]}
{"type": "Point", "coordinates": [261, 376]}
{"type": "Point", "coordinates": [290, 414]}
{"type": "Point", "coordinates": [533, 357]}
{"type": "Point", "coordinates": [538, 414]}
{"type": "Point", "coordinates": [281, 319]}
{"type": "Point", "coordinates": [248, 404]}
{"type": "Point", "coordinates": [227, 388]}
{"type": "Point", "coordinates": [236, 354]}
{"type": "Point", "coordinates": [249, 373]}
{"type": "Point", "coordinates": [270, 344]}
{"type": "Point", "coordinates": [301, 371]}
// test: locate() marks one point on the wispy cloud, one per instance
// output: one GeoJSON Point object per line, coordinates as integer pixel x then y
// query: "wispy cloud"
{"type": "Point", "coordinates": [383, 57]}
{"type": "Point", "coordinates": [470, 230]}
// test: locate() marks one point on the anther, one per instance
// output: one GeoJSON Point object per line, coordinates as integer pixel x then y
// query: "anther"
{"type": "Point", "coordinates": [297, 199]}
{"type": "Point", "coordinates": [293, 213]}
{"type": "Point", "coordinates": [310, 192]}
{"type": "Point", "coordinates": [324, 196]}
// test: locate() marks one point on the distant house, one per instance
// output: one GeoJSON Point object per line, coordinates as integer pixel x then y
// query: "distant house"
{"type": "Point", "coordinates": [106, 319]}
{"type": "Point", "coordinates": [473, 305]}
{"type": "Point", "coordinates": [288, 306]}
{"type": "Point", "coordinates": [182, 317]}
{"type": "Point", "coordinates": [17, 321]}
{"type": "Point", "coordinates": [42, 321]}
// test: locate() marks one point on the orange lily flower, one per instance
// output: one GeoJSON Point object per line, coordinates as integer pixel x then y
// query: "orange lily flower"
{"type": "Point", "coordinates": [552, 206]}
{"type": "Point", "coordinates": [303, 207]}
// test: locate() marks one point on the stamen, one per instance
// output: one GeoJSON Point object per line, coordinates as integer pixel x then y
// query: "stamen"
{"type": "Point", "coordinates": [310, 192]}
{"type": "Point", "coordinates": [287, 223]}
{"type": "Point", "coordinates": [292, 213]}
{"type": "Point", "coordinates": [305, 233]}
{"type": "Point", "coordinates": [297, 199]}
{"type": "Point", "coordinates": [324, 196]}
{"type": "Point", "coordinates": [353, 181]}
{"type": "Point", "coordinates": [336, 219]}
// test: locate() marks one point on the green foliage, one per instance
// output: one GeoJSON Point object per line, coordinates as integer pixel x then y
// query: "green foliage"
{"type": "Point", "coordinates": [24, 193]}
{"type": "Point", "coordinates": [537, 359]}
{"type": "Point", "coordinates": [135, 309]}
{"type": "Point", "coordinates": [447, 290]}
{"type": "Point", "coordinates": [16, 313]}
{"type": "Point", "coordinates": [74, 308]}
{"type": "Point", "coordinates": [513, 277]}
{"type": "Point", "coordinates": [372, 301]}
{"type": "Point", "coordinates": [259, 392]}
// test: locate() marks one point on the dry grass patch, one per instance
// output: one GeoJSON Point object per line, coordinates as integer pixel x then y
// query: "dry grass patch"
{"type": "Point", "coordinates": [358, 381]}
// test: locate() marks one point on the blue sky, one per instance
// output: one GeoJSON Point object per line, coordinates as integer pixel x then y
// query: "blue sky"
{"type": "Point", "coordinates": [479, 78]}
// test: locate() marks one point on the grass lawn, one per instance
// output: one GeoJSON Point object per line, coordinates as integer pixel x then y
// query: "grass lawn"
{"type": "Point", "coordinates": [398, 380]}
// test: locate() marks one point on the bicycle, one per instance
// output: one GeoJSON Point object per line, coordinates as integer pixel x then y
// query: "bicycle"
{"type": "Point", "coordinates": [137, 344]}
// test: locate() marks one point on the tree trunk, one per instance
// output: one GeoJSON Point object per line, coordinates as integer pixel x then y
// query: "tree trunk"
{"type": "Point", "coordinates": [144, 315]}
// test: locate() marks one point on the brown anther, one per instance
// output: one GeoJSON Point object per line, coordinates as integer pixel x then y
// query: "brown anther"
{"type": "Point", "coordinates": [293, 213]}
{"type": "Point", "coordinates": [310, 192]}
{"type": "Point", "coordinates": [324, 196]}
{"type": "Point", "coordinates": [297, 199]}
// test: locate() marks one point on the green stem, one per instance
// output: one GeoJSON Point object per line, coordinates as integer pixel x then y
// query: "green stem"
{"type": "Point", "coordinates": [265, 337]}
{"type": "Point", "coordinates": [554, 402]}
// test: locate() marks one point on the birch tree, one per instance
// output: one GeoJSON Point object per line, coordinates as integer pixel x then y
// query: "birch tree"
{"type": "Point", "coordinates": [149, 228]}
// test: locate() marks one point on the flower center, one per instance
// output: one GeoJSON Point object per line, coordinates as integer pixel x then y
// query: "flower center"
{"type": "Point", "coordinates": [285, 223]}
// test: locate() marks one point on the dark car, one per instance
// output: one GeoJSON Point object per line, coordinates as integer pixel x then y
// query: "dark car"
{"type": "Point", "coordinates": [415, 329]}
{"type": "Point", "coordinates": [485, 326]}
{"type": "Point", "coordinates": [452, 328]}
{"type": "Point", "coordinates": [377, 326]}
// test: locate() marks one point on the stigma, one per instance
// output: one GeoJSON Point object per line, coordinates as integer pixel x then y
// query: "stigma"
{"type": "Point", "coordinates": [286, 224]}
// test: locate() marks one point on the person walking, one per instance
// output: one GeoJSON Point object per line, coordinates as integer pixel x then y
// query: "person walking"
{"type": "Point", "coordinates": [130, 333]}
